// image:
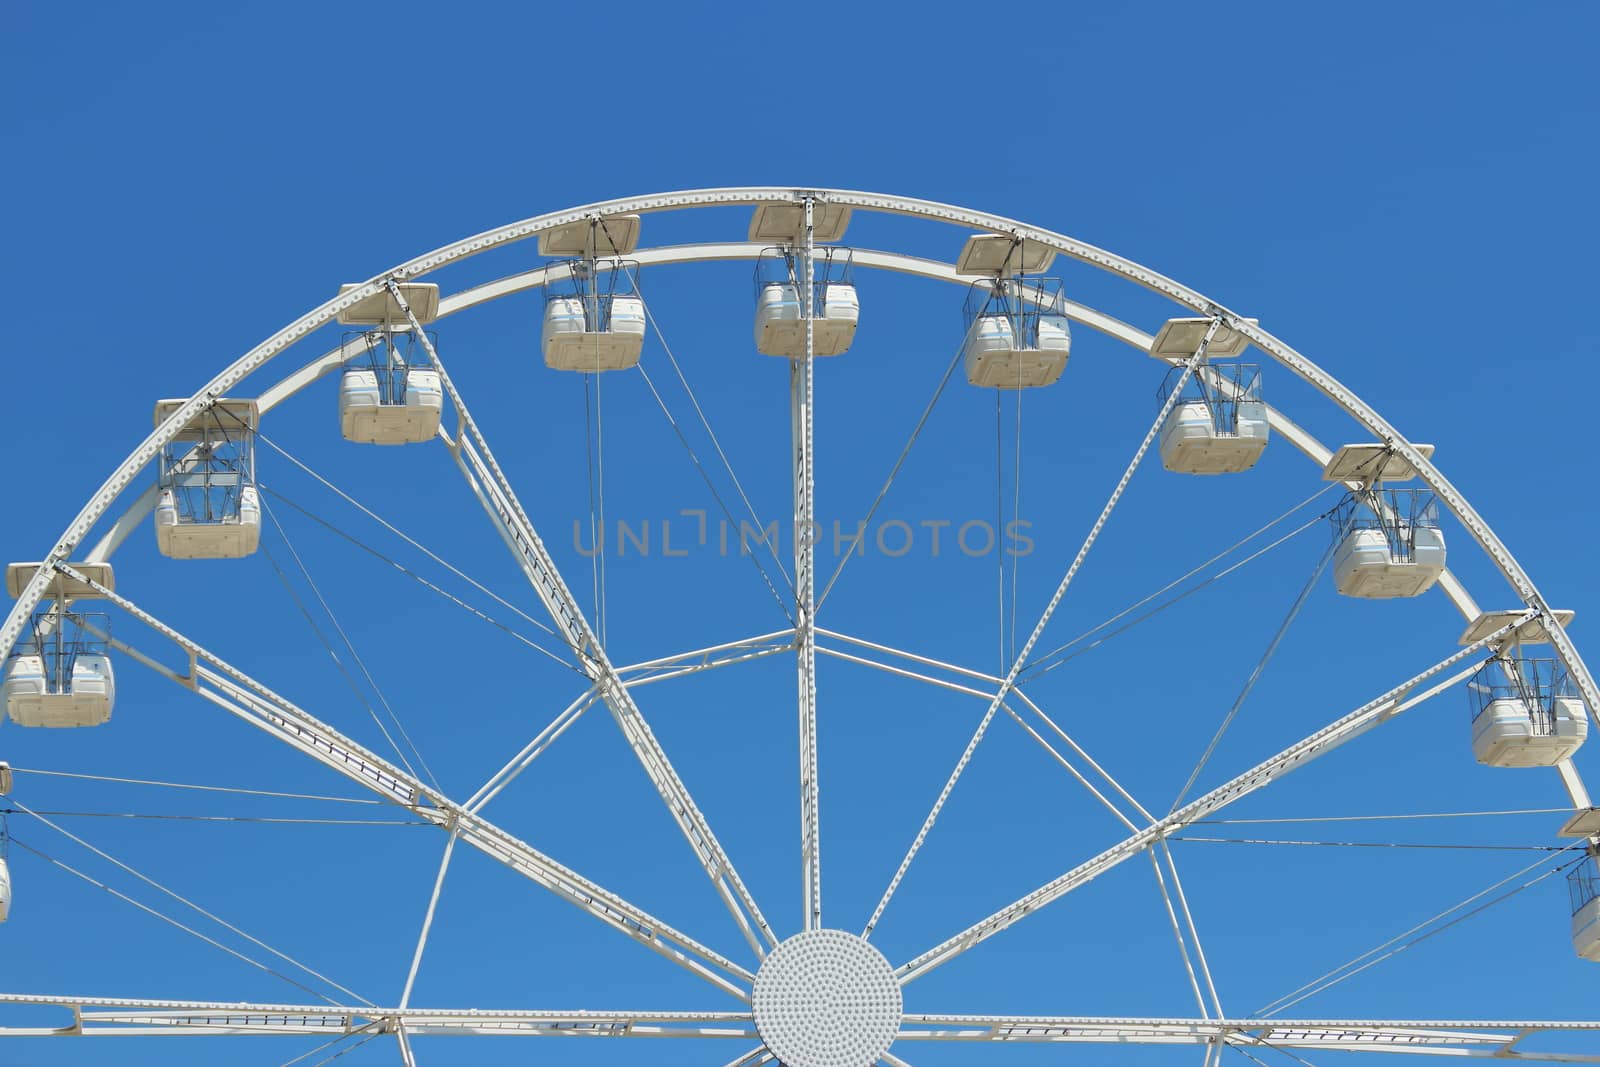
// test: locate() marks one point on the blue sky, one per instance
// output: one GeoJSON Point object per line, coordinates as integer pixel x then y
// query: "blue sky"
{"type": "Point", "coordinates": [1403, 193]}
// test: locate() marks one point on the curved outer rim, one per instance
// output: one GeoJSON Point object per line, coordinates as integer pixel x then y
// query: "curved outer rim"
{"type": "Point", "coordinates": [873, 259]}
{"type": "Point", "coordinates": [1320, 379]}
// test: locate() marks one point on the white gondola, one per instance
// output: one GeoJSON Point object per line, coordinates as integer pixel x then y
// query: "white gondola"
{"type": "Point", "coordinates": [394, 398]}
{"type": "Point", "coordinates": [780, 328]}
{"type": "Point", "coordinates": [208, 507]}
{"type": "Point", "coordinates": [377, 411]}
{"type": "Point", "coordinates": [5, 890]}
{"type": "Point", "coordinates": [1526, 713]}
{"type": "Point", "coordinates": [59, 674]}
{"type": "Point", "coordinates": [1583, 887]}
{"type": "Point", "coordinates": [1017, 336]}
{"type": "Point", "coordinates": [590, 336]}
{"type": "Point", "coordinates": [596, 322]}
{"type": "Point", "coordinates": [1390, 544]}
{"type": "Point", "coordinates": [232, 536]}
{"type": "Point", "coordinates": [84, 697]}
{"type": "Point", "coordinates": [1219, 424]}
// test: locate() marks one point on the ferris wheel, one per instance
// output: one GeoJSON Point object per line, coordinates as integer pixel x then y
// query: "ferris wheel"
{"type": "Point", "coordinates": [813, 988]}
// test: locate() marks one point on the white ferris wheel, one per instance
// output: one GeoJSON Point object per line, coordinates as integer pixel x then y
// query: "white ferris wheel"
{"type": "Point", "coordinates": [811, 986]}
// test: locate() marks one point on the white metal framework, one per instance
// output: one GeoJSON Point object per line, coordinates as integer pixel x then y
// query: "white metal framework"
{"type": "Point", "coordinates": [773, 990]}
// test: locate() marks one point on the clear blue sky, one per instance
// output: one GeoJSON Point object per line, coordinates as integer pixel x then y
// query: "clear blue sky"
{"type": "Point", "coordinates": [1403, 192]}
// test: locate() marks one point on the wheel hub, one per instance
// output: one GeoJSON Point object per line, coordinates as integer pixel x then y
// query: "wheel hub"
{"type": "Point", "coordinates": [825, 998]}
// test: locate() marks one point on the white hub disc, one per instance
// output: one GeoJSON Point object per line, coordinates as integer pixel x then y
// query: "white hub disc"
{"type": "Point", "coordinates": [826, 998]}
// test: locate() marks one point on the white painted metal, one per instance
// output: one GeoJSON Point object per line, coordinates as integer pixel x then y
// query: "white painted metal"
{"type": "Point", "coordinates": [1505, 734]}
{"type": "Point", "coordinates": [780, 328]}
{"type": "Point", "coordinates": [1531, 632]}
{"type": "Point", "coordinates": [230, 538]}
{"type": "Point", "coordinates": [1331, 387]}
{"type": "Point", "coordinates": [1178, 337]}
{"type": "Point", "coordinates": [365, 416]}
{"type": "Point", "coordinates": [802, 391]}
{"type": "Point", "coordinates": [494, 491]}
{"type": "Point", "coordinates": [1288, 357]}
{"type": "Point", "coordinates": [85, 700]}
{"type": "Point", "coordinates": [1365, 565]}
{"type": "Point", "coordinates": [186, 527]}
{"type": "Point", "coordinates": [1370, 464]}
{"type": "Point", "coordinates": [1357, 722]}
{"type": "Point", "coordinates": [247, 699]}
{"type": "Point", "coordinates": [100, 1016]}
{"type": "Point", "coordinates": [1586, 930]}
{"type": "Point", "coordinates": [18, 575]}
{"type": "Point", "coordinates": [996, 358]}
{"type": "Point", "coordinates": [1482, 1038]}
{"type": "Point", "coordinates": [785, 222]}
{"type": "Point", "coordinates": [705, 659]}
{"type": "Point", "coordinates": [1033, 638]}
{"type": "Point", "coordinates": [380, 309]}
{"type": "Point", "coordinates": [825, 998]}
{"type": "Point", "coordinates": [1191, 443]}
{"type": "Point", "coordinates": [573, 340]}
{"type": "Point", "coordinates": [593, 237]}
{"type": "Point", "coordinates": [1002, 256]}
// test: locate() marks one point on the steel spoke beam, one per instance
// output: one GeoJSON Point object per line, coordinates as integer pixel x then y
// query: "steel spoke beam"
{"type": "Point", "coordinates": [705, 659]}
{"type": "Point", "coordinates": [802, 394]}
{"type": "Point", "coordinates": [104, 1016]}
{"type": "Point", "coordinates": [237, 693]}
{"type": "Point", "coordinates": [494, 492]}
{"type": "Point", "coordinates": [1347, 728]}
{"type": "Point", "coordinates": [1449, 1037]}
{"type": "Point", "coordinates": [1021, 660]}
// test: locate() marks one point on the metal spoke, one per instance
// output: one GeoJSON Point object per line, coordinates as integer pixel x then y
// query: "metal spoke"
{"type": "Point", "coordinates": [494, 492]}
{"type": "Point", "coordinates": [531, 751]}
{"type": "Point", "coordinates": [226, 686]}
{"type": "Point", "coordinates": [802, 394]}
{"type": "Point", "coordinates": [427, 922]}
{"type": "Point", "coordinates": [1357, 722]}
{"type": "Point", "coordinates": [1447, 1037]}
{"type": "Point", "coordinates": [99, 1016]}
{"type": "Point", "coordinates": [706, 659]}
{"type": "Point", "coordinates": [1038, 630]}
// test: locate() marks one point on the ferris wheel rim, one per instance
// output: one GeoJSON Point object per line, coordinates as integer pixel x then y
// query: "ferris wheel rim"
{"type": "Point", "coordinates": [1517, 576]}
{"type": "Point", "coordinates": [1284, 355]}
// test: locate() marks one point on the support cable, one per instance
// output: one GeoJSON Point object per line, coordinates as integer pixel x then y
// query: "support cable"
{"type": "Point", "coordinates": [191, 905]}
{"type": "Point", "coordinates": [999, 520]}
{"type": "Point", "coordinates": [381, 521]}
{"type": "Point", "coordinates": [600, 501]}
{"type": "Point", "coordinates": [216, 818]}
{"type": "Point", "coordinates": [202, 788]}
{"type": "Point", "coordinates": [1042, 665]}
{"type": "Point", "coordinates": [355, 655]}
{"type": "Point", "coordinates": [1384, 818]}
{"type": "Point", "coordinates": [1368, 844]}
{"type": "Point", "coordinates": [715, 495]}
{"type": "Point", "coordinates": [337, 662]}
{"type": "Point", "coordinates": [367, 1029]}
{"type": "Point", "coordinates": [597, 525]}
{"type": "Point", "coordinates": [899, 462]}
{"type": "Point", "coordinates": [1016, 516]}
{"type": "Point", "coordinates": [188, 929]}
{"type": "Point", "coordinates": [1255, 674]}
{"type": "Point", "coordinates": [705, 423]}
{"type": "Point", "coordinates": [457, 601]}
{"type": "Point", "coordinates": [1010, 680]}
{"type": "Point", "coordinates": [1399, 943]}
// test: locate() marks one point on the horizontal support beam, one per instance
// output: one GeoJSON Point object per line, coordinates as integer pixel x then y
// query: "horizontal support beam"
{"type": "Point", "coordinates": [106, 1017]}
